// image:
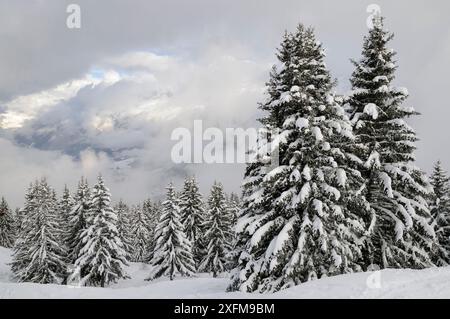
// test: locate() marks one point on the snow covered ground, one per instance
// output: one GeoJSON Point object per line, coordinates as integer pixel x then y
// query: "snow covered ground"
{"type": "Point", "coordinates": [429, 283]}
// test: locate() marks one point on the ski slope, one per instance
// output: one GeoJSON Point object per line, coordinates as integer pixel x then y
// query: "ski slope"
{"type": "Point", "coordinates": [429, 283]}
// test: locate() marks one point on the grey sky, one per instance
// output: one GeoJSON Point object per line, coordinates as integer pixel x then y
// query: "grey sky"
{"type": "Point", "coordinates": [106, 97]}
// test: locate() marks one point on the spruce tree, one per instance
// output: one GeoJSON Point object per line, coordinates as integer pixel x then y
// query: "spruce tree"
{"type": "Point", "coordinates": [7, 235]}
{"type": "Point", "coordinates": [192, 216]}
{"type": "Point", "coordinates": [77, 219]}
{"type": "Point", "coordinates": [217, 232]}
{"type": "Point", "coordinates": [141, 239]}
{"type": "Point", "coordinates": [18, 217]}
{"type": "Point", "coordinates": [38, 255]}
{"type": "Point", "coordinates": [65, 207]}
{"type": "Point", "coordinates": [124, 226]}
{"type": "Point", "coordinates": [151, 212]}
{"type": "Point", "coordinates": [102, 257]}
{"type": "Point", "coordinates": [234, 206]}
{"type": "Point", "coordinates": [400, 235]}
{"type": "Point", "coordinates": [299, 218]}
{"type": "Point", "coordinates": [172, 255]}
{"type": "Point", "coordinates": [234, 211]}
{"type": "Point", "coordinates": [440, 212]}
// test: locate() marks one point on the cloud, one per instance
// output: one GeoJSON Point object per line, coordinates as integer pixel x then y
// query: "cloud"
{"type": "Point", "coordinates": [27, 107]}
{"type": "Point", "coordinates": [118, 118]}
{"type": "Point", "coordinates": [107, 96]}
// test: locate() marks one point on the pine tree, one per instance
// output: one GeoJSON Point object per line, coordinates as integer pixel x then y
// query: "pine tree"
{"type": "Point", "coordinates": [38, 255]}
{"type": "Point", "coordinates": [77, 219]}
{"type": "Point", "coordinates": [65, 207]}
{"type": "Point", "coordinates": [18, 217]}
{"type": "Point", "coordinates": [218, 232]}
{"type": "Point", "coordinates": [400, 235]}
{"type": "Point", "coordinates": [141, 239]}
{"type": "Point", "coordinates": [440, 212]}
{"type": "Point", "coordinates": [234, 211]}
{"type": "Point", "coordinates": [298, 221]}
{"type": "Point", "coordinates": [173, 251]}
{"type": "Point", "coordinates": [60, 222]}
{"type": "Point", "coordinates": [124, 226]}
{"type": "Point", "coordinates": [7, 235]}
{"type": "Point", "coordinates": [151, 211]}
{"type": "Point", "coordinates": [102, 257]}
{"type": "Point", "coordinates": [192, 216]}
{"type": "Point", "coordinates": [234, 206]}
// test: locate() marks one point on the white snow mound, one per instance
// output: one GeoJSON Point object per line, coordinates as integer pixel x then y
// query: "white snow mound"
{"type": "Point", "coordinates": [428, 283]}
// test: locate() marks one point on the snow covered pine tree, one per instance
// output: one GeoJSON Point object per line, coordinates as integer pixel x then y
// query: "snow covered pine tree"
{"type": "Point", "coordinates": [141, 234]}
{"type": "Point", "coordinates": [400, 234]}
{"type": "Point", "coordinates": [124, 227]}
{"type": "Point", "coordinates": [102, 257]}
{"type": "Point", "coordinates": [151, 211]}
{"type": "Point", "coordinates": [38, 255]}
{"type": "Point", "coordinates": [173, 251]}
{"type": "Point", "coordinates": [193, 217]}
{"type": "Point", "coordinates": [234, 210]}
{"type": "Point", "coordinates": [298, 224]}
{"type": "Point", "coordinates": [218, 235]}
{"type": "Point", "coordinates": [65, 207]}
{"type": "Point", "coordinates": [7, 234]}
{"type": "Point", "coordinates": [234, 207]}
{"type": "Point", "coordinates": [440, 212]}
{"type": "Point", "coordinates": [66, 204]}
{"type": "Point", "coordinates": [77, 220]}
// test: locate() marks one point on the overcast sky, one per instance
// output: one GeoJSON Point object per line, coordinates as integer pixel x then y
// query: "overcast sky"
{"type": "Point", "coordinates": [106, 97]}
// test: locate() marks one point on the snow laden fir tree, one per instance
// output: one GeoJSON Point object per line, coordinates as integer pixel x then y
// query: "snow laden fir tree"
{"type": "Point", "coordinates": [77, 220]}
{"type": "Point", "coordinates": [124, 226]}
{"type": "Point", "coordinates": [39, 255]}
{"type": "Point", "coordinates": [398, 223]}
{"type": "Point", "coordinates": [141, 234]}
{"type": "Point", "coordinates": [7, 227]}
{"type": "Point", "coordinates": [218, 235]}
{"type": "Point", "coordinates": [172, 255]}
{"type": "Point", "coordinates": [299, 220]}
{"type": "Point", "coordinates": [193, 217]}
{"type": "Point", "coordinates": [102, 256]}
{"type": "Point", "coordinates": [440, 212]}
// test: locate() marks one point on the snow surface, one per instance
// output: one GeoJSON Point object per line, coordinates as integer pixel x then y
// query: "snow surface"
{"type": "Point", "coordinates": [428, 283]}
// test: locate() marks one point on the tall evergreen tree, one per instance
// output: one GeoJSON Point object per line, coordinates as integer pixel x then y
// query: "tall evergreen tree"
{"type": "Point", "coordinates": [173, 251]}
{"type": "Point", "coordinates": [400, 235]}
{"type": "Point", "coordinates": [217, 232]}
{"type": "Point", "coordinates": [141, 239]}
{"type": "Point", "coordinates": [77, 219]}
{"type": "Point", "coordinates": [440, 212]}
{"type": "Point", "coordinates": [102, 257]}
{"type": "Point", "coordinates": [124, 226]}
{"type": "Point", "coordinates": [38, 255]}
{"type": "Point", "coordinates": [150, 210]}
{"type": "Point", "coordinates": [192, 216]}
{"type": "Point", "coordinates": [234, 210]}
{"type": "Point", "coordinates": [65, 207]}
{"type": "Point", "coordinates": [7, 235]}
{"type": "Point", "coordinates": [299, 220]}
{"type": "Point", "coordinates": [234, 206]}
{"type": "Point", "coordinates": [18, 217]}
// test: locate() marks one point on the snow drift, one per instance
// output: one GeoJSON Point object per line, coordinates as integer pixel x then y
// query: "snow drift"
{"type": "Point", "coordinates": [428, 283]}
